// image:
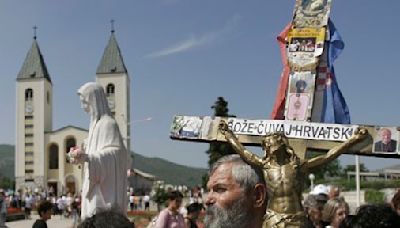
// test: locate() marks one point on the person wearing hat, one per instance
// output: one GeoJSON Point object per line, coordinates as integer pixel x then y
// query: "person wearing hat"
{"type": "Point", "coordinates": [321, 193]}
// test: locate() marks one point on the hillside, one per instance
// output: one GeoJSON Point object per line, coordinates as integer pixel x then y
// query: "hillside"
{"type": "Point", "coordinates": [168, 171]}
{"type": "Point", "coordinates": [7, 161]}
{"type": "Point", "coordinates": [164, 170]}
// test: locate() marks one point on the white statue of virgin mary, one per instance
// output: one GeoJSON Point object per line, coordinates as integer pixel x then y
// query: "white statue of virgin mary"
{"type": "Point", "coordinates": [104, 155]}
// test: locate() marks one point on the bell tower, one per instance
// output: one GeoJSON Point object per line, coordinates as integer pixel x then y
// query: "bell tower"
{"type": "Point", "coordinates": [113, 76]}
{"type": "Point", "coordinates": [34, 93]}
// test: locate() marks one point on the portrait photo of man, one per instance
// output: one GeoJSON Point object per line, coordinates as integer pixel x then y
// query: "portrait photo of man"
{"type": "Point", "coordinates": [301, 82]}
{"type": "Point", "coordinates": [301, 86]}
{"type": "Point", "coordinates": [385, 143]}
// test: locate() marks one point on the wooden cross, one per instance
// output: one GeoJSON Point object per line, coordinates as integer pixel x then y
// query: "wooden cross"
{"type": "Point", "coordinates": [303, 136]}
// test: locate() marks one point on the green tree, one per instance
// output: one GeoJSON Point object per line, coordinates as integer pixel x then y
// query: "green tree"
{"type": "Point", "coordinates": [6, 183]}
{"type": "Point", "coordinates": [218, 149]}
{"type": "Point", "coordinates": [221, 108]}
{"type": "Point", "coordinates": [373, 196]}
{"type": "Point", "coordinates": [160, 197]}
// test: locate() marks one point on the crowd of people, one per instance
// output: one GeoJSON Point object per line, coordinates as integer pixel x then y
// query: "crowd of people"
{"type": "Point", "coordinates": [139, 202]}
{"type": "Point", "coordinates": [65, 205]}
{"type": "Point", "coordinates": [237, 197]}
{"type": "Point", "coordinates": [177, 216]}
{"type": "Point", "coordinates": [325, 207]}
{"type": "Point", "coordinates": [235, 200]}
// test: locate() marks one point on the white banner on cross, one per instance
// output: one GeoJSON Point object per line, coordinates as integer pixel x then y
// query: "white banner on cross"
{"type": "Point", "coordinates": [292, 129]}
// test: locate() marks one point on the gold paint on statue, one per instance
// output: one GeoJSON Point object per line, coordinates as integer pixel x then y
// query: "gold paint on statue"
{"type": "Point", "coordinates": [284, 173]}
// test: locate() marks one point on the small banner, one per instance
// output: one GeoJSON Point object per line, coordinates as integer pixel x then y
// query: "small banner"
{"type": "Point", "coordinates": [300, 96]}
{"type": "Point", "coordinates": [304, 48]}
{"type": "Point", "coordinates": [292, 129]}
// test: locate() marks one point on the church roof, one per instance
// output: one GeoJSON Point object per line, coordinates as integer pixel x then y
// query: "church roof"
{"type": "Point", "coordinates": [66, 127]}
{"type": "Point", "coordinates": [144, 174]}
{"type": "Point", "coordinates": [112, 61]}
{"type": "Point", "coordinates": [34, 65]}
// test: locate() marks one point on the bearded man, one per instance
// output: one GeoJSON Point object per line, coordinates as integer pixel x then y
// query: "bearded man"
{"type": "Point", "coordinates": [236, 195]}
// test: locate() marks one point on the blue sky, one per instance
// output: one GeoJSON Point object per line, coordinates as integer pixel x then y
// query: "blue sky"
{"type": "Point", "coordinates": [182, 54]}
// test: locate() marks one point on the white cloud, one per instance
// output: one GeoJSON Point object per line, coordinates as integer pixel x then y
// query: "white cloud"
{"type": "Point", "coordinates": [196, 41]}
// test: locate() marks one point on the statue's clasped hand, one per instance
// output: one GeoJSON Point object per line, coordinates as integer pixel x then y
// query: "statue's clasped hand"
{"type": "Point", "coordinates": [77, 156]}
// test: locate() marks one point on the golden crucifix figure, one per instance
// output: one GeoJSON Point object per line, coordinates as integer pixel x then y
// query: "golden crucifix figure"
{"type": "Point", "coordinates": [284, 173]}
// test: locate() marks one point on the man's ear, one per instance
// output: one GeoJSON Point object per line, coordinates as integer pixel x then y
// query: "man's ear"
{"type": "Point", "coordinates": [260, 195]}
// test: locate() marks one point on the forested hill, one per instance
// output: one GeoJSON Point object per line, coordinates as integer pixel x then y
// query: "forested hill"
{"type": "Point", "coordinates": [170, 172]}
{"type": "Point", "coordinates": [7, 161]}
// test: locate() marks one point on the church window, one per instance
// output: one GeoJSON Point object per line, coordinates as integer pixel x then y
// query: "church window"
{"type": "Point", "coordinates": [110, 89]}
{"type": "Point", "coordinates": [53, 156]}
{"type": "Point", "coordinates": [29, 153]}
{"type": "Point", "coordinates": [28, 94]}
{"type": "Point", "coordinates": [48, 97]}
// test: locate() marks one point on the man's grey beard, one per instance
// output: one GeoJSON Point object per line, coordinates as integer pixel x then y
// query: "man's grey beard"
{"type": "Point", "coordinates": [237, 216]}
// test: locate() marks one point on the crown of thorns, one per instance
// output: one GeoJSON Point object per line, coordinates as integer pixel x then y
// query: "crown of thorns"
{"type": "Point", "coordinates": [280, 134]}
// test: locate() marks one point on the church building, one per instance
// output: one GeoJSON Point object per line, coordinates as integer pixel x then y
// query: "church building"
{"type": "Point", "coordinates": [41, 151]}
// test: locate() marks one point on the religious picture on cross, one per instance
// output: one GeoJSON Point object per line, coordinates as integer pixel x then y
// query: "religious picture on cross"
{"type": "Point", "coordinates": [304, 47]}
{"type": "Point", "coordinates": [302, 44]}
{"type": "Point", "coordinates": [298, 104]}
{"type": "Point", "coordinates": [300, 96]}
{"type": "Point", "coordinates": [194, 127]}
{"type": "Point", "coordinates": [301, 82]}
{"type": "Point", "coordinates": [386, 140]}
{"type": "Point", "coordinates": [311, 13]}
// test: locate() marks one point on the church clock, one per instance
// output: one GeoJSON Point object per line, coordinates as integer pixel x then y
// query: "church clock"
{"type": "Point", "coordinates": [28, 108]}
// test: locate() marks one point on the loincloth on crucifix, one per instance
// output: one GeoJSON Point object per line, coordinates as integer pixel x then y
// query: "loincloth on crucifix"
{"type": "Point", "coordinates": [277, 220]}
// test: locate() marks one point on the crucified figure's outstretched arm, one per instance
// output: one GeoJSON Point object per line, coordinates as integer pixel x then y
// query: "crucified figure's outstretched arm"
{"type": "Point", "coordinates": [246, 155]}
{"type": "Point", "coordinates": [359, 135]}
